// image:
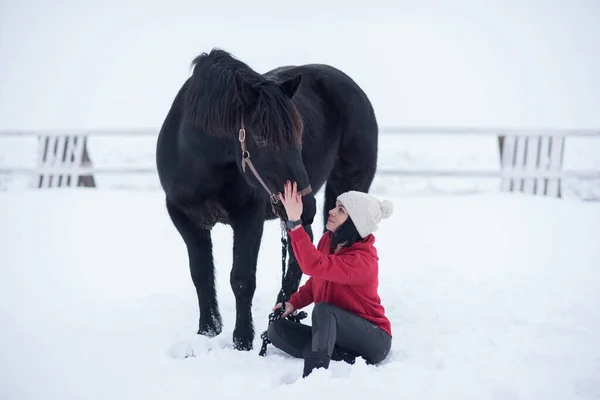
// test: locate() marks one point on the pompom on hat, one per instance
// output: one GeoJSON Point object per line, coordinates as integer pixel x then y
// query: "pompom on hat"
{"type": "Point", "coordinates": [365, 210]}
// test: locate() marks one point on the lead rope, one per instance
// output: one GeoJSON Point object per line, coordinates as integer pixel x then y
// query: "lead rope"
{"type": "Point", "coordinates": [275, 315]}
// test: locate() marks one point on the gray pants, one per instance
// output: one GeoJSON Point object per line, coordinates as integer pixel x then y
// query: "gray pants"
{"type": "Point", "coordinates": [336, 333]}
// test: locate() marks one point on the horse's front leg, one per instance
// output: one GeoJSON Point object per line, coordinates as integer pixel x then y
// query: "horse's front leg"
{"type": "Point", "coordinates": [199, 246]}
{"type": "Point", "coordinates": [247, 235]}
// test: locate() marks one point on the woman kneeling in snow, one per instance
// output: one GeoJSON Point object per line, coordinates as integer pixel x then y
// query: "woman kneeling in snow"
{"type": "Point", "coordinates": [348, 318]}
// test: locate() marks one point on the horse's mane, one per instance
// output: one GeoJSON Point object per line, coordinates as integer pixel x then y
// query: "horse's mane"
{"type": "Point", "coordinates": [212, 103]}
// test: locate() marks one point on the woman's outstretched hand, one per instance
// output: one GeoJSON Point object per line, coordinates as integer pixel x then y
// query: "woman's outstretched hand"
{"type": "Point", "coordinates": [292, 201]}
{"type": "Point", "coordinates": [288, 309]}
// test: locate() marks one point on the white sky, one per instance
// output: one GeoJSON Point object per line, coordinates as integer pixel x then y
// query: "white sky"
{"type": "Point", "coordinates": [118, 64]}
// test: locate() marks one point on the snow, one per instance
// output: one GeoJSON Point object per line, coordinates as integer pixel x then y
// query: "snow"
{"type": "Point", "coordinates": [491, 296]}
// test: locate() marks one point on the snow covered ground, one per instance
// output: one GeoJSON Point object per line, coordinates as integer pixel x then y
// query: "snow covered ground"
{"type": "Point", "coordinates": [491, 296]}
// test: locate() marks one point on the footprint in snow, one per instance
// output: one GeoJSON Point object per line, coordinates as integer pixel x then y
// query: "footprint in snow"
{"type": "Point", "coordinates": [187, 348]}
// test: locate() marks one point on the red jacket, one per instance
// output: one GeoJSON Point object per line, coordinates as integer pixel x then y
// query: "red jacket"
{"type": "Point", "coordinates": [348, 278]}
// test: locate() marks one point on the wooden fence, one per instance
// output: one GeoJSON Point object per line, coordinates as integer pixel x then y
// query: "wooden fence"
{"type": "Point", "coordinates": [531, 161]}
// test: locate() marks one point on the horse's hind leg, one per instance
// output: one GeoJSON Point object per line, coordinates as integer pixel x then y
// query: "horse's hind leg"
{"type": "Point", "coordinates": [355, 165]}
{"type": "Point", "coordinates": [199, 247]}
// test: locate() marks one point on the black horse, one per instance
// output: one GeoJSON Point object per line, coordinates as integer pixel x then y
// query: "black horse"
{"type": "Point", "coordinates": [230, 141]}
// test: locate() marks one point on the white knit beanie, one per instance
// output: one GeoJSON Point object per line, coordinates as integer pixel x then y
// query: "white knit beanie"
{"type": "Point", "coordinates": [365, 210]}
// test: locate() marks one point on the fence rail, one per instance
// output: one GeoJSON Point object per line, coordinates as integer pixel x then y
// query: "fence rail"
{"type": "Point", "coordinates": [389, 130]}
{"type": "Point", "coordinates": [489, 131]}
{"type": "Point", "coordinates": [525, 156]}
{"type": "Point", "coordinates": [88, 132]}
{"type": "Point", "coordinates": [460, 173]}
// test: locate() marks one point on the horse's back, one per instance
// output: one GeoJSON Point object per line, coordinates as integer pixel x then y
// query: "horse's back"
{"type": "Point", "coordinates": [328, 92]}
{"type": "Point", "coordinates": [320, 76]}
{"type": "Point", "coordinates": [340, 126]}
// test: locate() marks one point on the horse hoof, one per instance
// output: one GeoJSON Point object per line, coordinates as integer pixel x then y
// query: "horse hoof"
{"type": "Point", "coordinates": [208, 331]}
{"type": "Point", "coordinates": [211, 328]}
{"type": "Point", "coordinates": [242, 344]}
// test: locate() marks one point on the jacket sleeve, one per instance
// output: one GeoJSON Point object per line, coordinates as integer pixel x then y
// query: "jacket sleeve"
{"type": "Point", "coordinates": [303, 297]}
{"type": "Point", "coordinates": [353, 268]}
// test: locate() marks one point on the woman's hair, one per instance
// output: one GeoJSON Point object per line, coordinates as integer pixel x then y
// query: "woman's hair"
{"type": "Point", "coordinates": [347, 233]}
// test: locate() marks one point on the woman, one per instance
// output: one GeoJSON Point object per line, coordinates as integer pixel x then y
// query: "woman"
{"type": "Point", "coordinates": [348, 318]}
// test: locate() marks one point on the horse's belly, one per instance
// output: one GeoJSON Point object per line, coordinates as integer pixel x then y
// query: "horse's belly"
{"type": "Point", "coordinates": [207, 213]}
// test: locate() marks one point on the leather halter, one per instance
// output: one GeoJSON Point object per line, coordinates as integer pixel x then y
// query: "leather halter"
{"type": "Point", "coordinates": [246, 160]}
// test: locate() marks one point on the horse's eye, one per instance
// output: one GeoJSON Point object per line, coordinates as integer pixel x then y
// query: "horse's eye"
{"type": "Point", "coordinates": [260, 142]}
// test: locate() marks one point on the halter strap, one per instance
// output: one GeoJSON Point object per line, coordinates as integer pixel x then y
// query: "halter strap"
{"type": "Point", "coordinates": [247, 161]}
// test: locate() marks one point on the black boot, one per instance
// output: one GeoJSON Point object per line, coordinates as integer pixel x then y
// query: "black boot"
{"type": "Point", "coordinates": [314, 360]}
{"type": "Point", "coordinates": [341, 355]}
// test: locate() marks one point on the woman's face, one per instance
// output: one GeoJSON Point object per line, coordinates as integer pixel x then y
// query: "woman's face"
{"type": "Point", "coordinates": [337, 216]}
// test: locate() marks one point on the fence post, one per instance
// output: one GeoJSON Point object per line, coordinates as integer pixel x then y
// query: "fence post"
{"type": "Point", "coordinates": [86, 161]}
{"type": "Point", "coordinates": [65, 151]}
{"type": "Point", "coordinates": [532, 153]}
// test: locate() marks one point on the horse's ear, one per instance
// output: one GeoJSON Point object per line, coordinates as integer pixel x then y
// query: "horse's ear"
{"type": "Point", "coordinates": [290, 87]}
{"type": "Point", "coordinates": [245, 91]}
